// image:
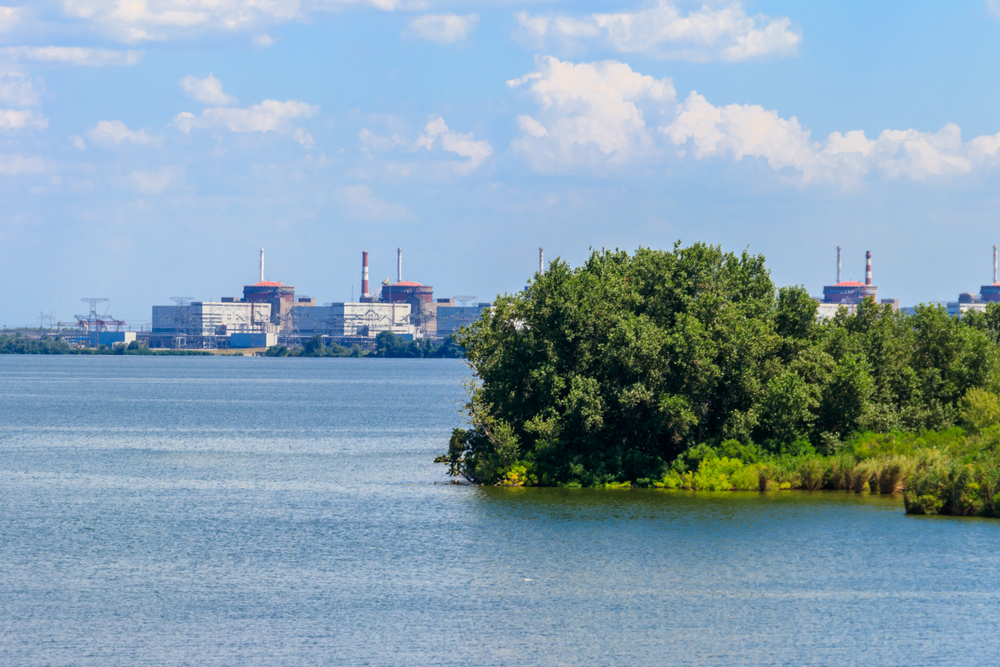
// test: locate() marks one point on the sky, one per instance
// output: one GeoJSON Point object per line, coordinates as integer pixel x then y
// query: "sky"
{"type": "Point", "coordinates": [149, 148]}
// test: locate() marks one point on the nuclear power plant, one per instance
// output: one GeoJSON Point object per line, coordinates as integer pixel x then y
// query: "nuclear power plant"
{"type": "Point", "coordinates": [270, 314]}
{"type": "Point", "coordinates": [978, 302]}
{"type": "Point", "coordinates": [849, 293]}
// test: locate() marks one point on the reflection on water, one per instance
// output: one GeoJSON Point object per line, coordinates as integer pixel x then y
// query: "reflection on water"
{"type": "Point", "coordinates": [284, 511]}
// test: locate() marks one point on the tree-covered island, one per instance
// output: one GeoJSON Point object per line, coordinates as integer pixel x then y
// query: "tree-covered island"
{"type": "Point", "coordinates": [689, 369]}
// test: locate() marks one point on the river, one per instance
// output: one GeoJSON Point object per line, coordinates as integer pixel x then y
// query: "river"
{"type": "Point", "coordinates": [229, 511]}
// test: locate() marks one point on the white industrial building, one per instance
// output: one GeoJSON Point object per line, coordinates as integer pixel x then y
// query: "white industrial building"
{"type": "Point", "coordinates": [352, 320]}
{"type": "Point", "coordinates": [204, 318]}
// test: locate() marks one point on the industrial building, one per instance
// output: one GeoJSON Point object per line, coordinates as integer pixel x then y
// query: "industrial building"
{"type": "Point", "coordinates": [204, 324]}
{"type": "Point", "coordinates": [850, 291]}
{"type": "Point", "coordinates": [269, 314]}
{"type": "Point", "coordinates": [352, 320]}
{"type": "Point", "coordinates": [848, 294]}
{"type": "Point", "coordinates": [978, 302]}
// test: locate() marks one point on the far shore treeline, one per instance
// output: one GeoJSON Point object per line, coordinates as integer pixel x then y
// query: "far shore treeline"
{"type": "Point", "coordinates": [689, 369]}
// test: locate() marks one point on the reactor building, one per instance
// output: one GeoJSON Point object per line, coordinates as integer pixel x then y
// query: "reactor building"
{"type": "Point", "coordinates": [849, 293]}
{"type": "Point", "coordinates": [977, 302]}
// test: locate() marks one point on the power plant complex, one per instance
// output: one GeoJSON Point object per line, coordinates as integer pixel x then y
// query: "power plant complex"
{"type": "Point", "coordinates": [269, 314]}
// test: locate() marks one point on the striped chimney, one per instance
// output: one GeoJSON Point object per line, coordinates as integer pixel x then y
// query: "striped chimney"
{"type": "Point", "coordinates": [262, 265]}
{"type": "Point", "coordinates": [399, 265]}
{"type": "Point", "coordinates": [364, 273]}
{"type": "Point", "coordinates": [838, 264]}
{"type": "Point", "coordinates": [868, 268]}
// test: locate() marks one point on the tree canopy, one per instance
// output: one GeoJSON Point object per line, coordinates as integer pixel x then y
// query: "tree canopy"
{"type": "Point", "coordinates": [606, 373]}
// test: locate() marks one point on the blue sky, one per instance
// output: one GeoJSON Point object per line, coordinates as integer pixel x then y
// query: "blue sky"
{"type": "Point", "coordinates": [150, 147]}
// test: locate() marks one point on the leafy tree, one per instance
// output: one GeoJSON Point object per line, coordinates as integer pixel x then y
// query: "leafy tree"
{"type": "Point", "coordinates": [607, 373]}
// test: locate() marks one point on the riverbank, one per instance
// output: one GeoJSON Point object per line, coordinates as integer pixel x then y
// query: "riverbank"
{"type": "Point", "coordinates": [949, 472]}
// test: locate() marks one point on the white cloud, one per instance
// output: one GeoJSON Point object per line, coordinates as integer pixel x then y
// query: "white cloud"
{"type": "Point", "coordinates": [268, 116]}
{"type": "Point", "coordinates": [605, 113]}
{"type": "Point", "coordinates": [12, 165]}
{"type": "Point", "coordinates": [78, 143]}
{"type": "Point", "coordinates": [71, 55]}
{"type": "Point", "coordinates": [19, 89]}
{"type": "Point", "coordinates": [144, 20]}
{"type": "Point", "coordinates": [373, 143]}
{"type": "Point", "coordinates": [443, 28]}
{"type": "Point", "coordinates": [263, 41]}
{"type": "Point", "coordinates": [10, 17]}
{"type": "Point", "coordinates": [717, 31]}
{"type": "Point", "coordinates": [113, 132]}
{"type": "Point", "coordinates": [21, 119]}
{"type": "Point", "coordinates": [588, 112]}
{"type": "Point", "coordinates": [156, 181]}
{"type": "Point", "coordinates": [453, 142]}
{"type": "Point", "coordinates": [993, 7]}
{"type": "Point", "coordinates": [742, 130]}
{"type": "Point", "coordinates": [358, 202]}
{"type": "Point", "coordinates": [207, 91]}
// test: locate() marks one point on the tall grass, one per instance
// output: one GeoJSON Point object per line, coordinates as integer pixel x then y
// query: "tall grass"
{"type": "Point", "coordinates": [947, 472]}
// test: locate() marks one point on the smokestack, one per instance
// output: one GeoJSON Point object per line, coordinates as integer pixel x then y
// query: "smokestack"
{"type": "Point", "coordinates": [399, 265]}
{"type": "Point", "coordinates": [994, 265]}
{"type": "Point", "coordinates": [262, 265]}
{"type": "Point", "coordinates": [868, 268]}
{"type": "Point", "coordinates": [364, 273]}
{"type": "Point", "coordinates": [541, 261]}
{"type": "Point", "coordinates": [838, 264]}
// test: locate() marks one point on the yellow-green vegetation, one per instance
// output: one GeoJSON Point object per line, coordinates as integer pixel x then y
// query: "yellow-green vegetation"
{"type": "Point", "coordinates": [955, 471]}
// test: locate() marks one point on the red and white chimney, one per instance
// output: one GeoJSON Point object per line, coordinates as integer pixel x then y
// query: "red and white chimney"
{"type": "Point", "coordinates": [364, 273]}
{"type": "Point", "coordinates": [868, 268]}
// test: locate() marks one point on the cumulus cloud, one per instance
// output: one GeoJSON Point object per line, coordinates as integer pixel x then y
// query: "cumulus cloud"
{"type": "Point", "coordinates": [207, 91]}
{"type": "Point", "coordinates": [453, 142]}
{"type": "Point", "coordinates": [597, 114]}
{"type": "Point", "coordinates": [21, 119]}
{"type": "Point", "coordinates": [268, 116]}
{"type": "Point", "coordinates": [714, 32]}
{"type": "Point", "coordinates": [589, 111]}
{"type": "Point", "coordinates": [443, 28]}
{"type": "Point", "coordinates": [263, 41]}
{"type": "Point", "coordinates": [71, 55]}
{"type": "Point", "coordinates": [156, 181]}
{"type": "Point", "coordinates": [18, 89]}
{"type": "Point", "coordinates": [108, 133]}
{"type": "Point", "coordinates": [12, 165]}
{"type": "Point", "coordinates": [358, 202]}
{"type": "Point", "coordinates": [743, 130]}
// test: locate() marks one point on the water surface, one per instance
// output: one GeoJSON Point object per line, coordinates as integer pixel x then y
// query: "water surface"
{"type": "Point", "coordinates": [226, 511]}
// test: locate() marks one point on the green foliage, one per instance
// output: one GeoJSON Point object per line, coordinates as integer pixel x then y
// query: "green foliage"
{"type": "Point", "coordinates": [979, 409]}
{"type": "Point", "coordinates": [643, 367]}
{"type": "Point", "coordinates": [314, 347]}
{"type": "Point", "coordinates": [388, 344]}
{"type": "Point", "coordinates": [18, 344]}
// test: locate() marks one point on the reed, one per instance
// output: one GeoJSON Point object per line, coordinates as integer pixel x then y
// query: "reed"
{"type": "Point", "coordinates": [839, 476]}
{"type": "Point", "coordinates": [862, 474]}
{"type": "Point", "coordinates": [811, 474]}
{"type": "Point", "coordinates": [893, 473]}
